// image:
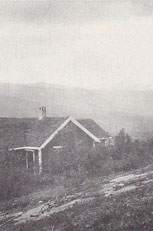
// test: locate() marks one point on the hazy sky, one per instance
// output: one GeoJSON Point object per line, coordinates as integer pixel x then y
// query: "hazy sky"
{"type": "Point", "coordinates": [93, 44]}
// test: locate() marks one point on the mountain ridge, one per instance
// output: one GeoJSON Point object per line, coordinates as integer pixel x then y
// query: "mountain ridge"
{"type": "Point", "coordinates": [112, 109]}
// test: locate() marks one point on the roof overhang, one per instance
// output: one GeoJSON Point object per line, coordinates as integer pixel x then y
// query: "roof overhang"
{"type": "Point", "coordinates": [25, 148]}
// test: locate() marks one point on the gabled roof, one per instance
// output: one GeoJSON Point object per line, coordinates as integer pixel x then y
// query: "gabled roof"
{"type": "Point", "coordinates": [31, 132]}
{"type": "Point", "coordinates": [40, 130]}
{"type": "Point", "coordinates": [70, 119]}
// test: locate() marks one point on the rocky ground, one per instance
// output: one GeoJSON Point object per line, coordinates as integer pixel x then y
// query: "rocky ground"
{"type": "Point", "coordinates": [121, 202]}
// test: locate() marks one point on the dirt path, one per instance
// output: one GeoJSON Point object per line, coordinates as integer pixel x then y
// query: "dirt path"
{"type": "Point", "coordinates": [115, 186]}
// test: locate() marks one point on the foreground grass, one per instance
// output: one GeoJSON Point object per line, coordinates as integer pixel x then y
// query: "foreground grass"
{"type": "Point", "coordinates": [130, 211]}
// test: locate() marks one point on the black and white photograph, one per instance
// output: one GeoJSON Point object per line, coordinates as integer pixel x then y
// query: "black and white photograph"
{"type": "Point", "coordinates": [76, 115]}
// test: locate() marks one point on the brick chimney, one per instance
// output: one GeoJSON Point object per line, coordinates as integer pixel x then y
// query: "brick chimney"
{"type": "Point", "coordinates": [42, 113]}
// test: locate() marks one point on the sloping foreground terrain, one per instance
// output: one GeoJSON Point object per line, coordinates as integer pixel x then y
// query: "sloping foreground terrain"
{"type": "Point", "coordinates": [122, 202]}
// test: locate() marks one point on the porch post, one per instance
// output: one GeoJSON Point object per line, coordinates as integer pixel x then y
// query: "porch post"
{"type": "Point", "coordinates": [27, 166]}
{"type": "Point", "coordinates": [40, 161]}
{"type": "Point", "coordinates": [34, 162]}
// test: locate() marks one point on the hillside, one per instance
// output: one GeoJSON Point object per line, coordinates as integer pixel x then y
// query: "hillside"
{"type": "Point", "coordinates": [120, 202]}
{"type": "Point", "coordinates": [112, 109]}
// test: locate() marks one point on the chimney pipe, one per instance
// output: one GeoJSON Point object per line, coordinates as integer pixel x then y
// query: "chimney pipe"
{"type": "Point", "coordinates": [42, 113]}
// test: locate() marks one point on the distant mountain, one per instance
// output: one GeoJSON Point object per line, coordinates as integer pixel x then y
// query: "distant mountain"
{"type": "Point", "coordinates": [112, 109]}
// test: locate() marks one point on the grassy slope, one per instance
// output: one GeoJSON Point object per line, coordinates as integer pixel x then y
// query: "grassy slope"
{"type": "Point", "coordinates": [127, 211]}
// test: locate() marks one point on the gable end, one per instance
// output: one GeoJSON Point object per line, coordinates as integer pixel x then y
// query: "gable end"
{"type": "Point", "coordinates": [70, 119]}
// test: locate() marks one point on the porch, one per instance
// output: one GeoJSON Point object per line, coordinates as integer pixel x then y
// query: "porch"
{"type": "Point", "coordinates": [31, 159]}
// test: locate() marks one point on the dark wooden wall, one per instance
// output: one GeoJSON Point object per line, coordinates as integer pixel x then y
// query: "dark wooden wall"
{"type": "Point", "coordinates": [70, 138]}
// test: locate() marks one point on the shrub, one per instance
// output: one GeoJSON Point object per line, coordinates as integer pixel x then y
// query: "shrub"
{"type": "Point", "coordinates": [71, 167]}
